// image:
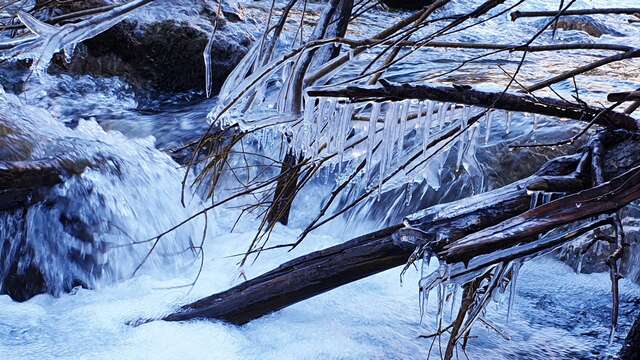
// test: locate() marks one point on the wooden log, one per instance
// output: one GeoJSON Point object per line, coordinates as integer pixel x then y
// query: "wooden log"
{"type": "Point", "coordinates": [603, 199]}
{"type": "Point", "coordinates": [468, 96]}
{"type": "Point", "coordinates": [440, 225]}
{"type": "Point", "coordinates": [302, 278]}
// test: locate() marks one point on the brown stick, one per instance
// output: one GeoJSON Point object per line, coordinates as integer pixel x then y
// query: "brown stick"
{"type": "Point", "coordinates": [624, 96]}
{"type": "Point", "coordinates": [602, 199]}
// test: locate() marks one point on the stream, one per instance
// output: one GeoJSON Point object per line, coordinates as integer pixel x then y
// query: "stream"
{"type": "Point", "coordinates": [135, 194]}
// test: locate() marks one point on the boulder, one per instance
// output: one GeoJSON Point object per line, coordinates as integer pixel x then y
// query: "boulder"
{"type": "Point", "coordinates": [159, 51]}
{"type": "Point", "coordinates": [586, 24]}
{"type": "Point", "coordinates": [631, 348]}
{"type": "Point", "coordinates": [407, 4]}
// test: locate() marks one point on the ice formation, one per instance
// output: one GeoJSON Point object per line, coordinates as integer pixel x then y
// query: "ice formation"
{"type": "Point", "coordinates": [50, 39]}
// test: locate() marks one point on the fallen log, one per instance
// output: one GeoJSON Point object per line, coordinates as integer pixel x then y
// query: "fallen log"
{"type": "Point", "coordinates": [603, 199]}
{"type": "Point", "coordinates": [439, 225]}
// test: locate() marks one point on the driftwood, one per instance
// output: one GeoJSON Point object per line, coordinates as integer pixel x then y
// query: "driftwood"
{"type": "Point", "coordinates": [446, 227]}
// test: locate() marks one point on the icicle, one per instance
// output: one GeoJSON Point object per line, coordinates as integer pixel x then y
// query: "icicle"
{"type": "Point", "coordinates": [371, 138]}
{"type": "Point", "coordinates": [327, 120]}
{"type": "Point", "coordinates": [434, 116]}
{"type": "Point", "coordinates": [409, 193]}
{"type": "Point", "coordinates": [334, 126]}
{"type": "Point", "coordinates": [419, 114]}
{"type": "Point", "coordinates": [453, 293]}
{"type": "Point", "coordinates": [426, 260]}
{"type": "Point", "coordinates": [463, 137]}
{"type": "Point", "coordinates": [440, 293]}
{"type": "Point", "coordinates": [509, 116]}
{"type": "Point", "coordinates": [403, 124]}
{"type": "Point", "coordinates": [427, 126]}
{"type": "Point", "coordinates": [470, 152]}
{"type": "Point", "coordinates": [285, 101]}
{"type": "Point", "coordinates": [388, 142]}
{"type": "Point", "coordinates": [308, 125]}
{"type": "Point", "coordinates": [443, 271]}
{"type": "Point", "coordinates": [207, 64]}
{"type": "Point", "coordinates": [441, 118]}
{"type": "Point", "coordinates": [580, 257]}
{"type": "Point", "coordinates": [489, 118]}
{"type": "Point", "coordinates": [420, 119]}
{"type": "Point", "coordinates": [448, 114]}
{"type": "Point", "coordinates": [515, 269]}
{"type": "Point", "coordinates": [345, 126]}
{"type": "Point", "coordinates": [534, 199]}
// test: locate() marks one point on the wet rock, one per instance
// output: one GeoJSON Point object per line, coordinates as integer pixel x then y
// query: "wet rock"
{"type": "Point", "coordinates": [407, 5]}
{"type": "Point", "coordinates": [20, 280]}
{"type": "Point", "coordinates": [163, 53]}
{"type": "Point", "coordinates": [27, 178]}
{"type": "Point", "coordinates": [586, 24]}
{"type": "Point", "coordinates": [595, 259]}
{"type": "Point", "coordinates": [631, 348]}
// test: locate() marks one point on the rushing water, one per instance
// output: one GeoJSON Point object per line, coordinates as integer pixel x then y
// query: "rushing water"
{"type": "Point", "coordinates": [135, 195]}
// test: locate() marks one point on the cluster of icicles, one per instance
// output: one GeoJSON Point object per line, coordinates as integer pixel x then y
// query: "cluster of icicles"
{"type": "Point", "coordinates": [391, 132]}
{"type": "Point", "coordinates": [499, 280]}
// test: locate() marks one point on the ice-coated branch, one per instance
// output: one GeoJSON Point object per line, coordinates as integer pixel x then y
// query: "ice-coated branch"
{"type": "Point", "coordinates": [468, 96]}
{"type": "Point", "coordinates": [50, 39]}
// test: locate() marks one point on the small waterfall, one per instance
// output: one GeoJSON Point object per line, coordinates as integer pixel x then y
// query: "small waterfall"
{"type": "Point", "coordinates": [85, 230]}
